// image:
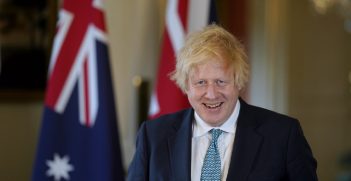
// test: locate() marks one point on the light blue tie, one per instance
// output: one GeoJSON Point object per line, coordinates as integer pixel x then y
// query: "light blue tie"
{"type": "Point", "coordinates": [211, 169]}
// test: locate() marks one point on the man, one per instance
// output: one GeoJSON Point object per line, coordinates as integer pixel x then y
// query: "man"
{"type": "Point", "coordinates": [221, 137]}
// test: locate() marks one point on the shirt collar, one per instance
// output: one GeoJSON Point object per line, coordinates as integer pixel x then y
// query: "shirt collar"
{"type": "Point", "coordinates": [201, 127]}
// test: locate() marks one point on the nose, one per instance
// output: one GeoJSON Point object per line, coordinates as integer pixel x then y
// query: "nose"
{"type": "Point", "coordinates": [211, 91]}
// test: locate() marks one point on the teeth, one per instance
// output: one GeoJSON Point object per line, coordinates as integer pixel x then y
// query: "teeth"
{"type": "Point", "coordinates": [212, 106]}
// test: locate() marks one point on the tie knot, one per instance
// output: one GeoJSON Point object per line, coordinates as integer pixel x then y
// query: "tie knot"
{"type": "Point", "coordinates": [216, 133]}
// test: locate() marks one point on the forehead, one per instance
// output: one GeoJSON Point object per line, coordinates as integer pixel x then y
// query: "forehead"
{"type": "Point", "coordinates": [211, 68]}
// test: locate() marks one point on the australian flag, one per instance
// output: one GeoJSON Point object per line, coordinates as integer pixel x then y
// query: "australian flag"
{"type": "Point", "coordinates": [79, 135]}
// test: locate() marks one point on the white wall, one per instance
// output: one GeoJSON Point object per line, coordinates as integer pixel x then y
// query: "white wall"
{"type": "Point", "coordinates": [135, 30]}
{"type": "Point", "coordinates": [267, 46]}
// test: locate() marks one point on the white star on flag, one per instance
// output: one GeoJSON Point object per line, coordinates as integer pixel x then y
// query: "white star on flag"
{"type": "Point", "coordinates": [59, 167]}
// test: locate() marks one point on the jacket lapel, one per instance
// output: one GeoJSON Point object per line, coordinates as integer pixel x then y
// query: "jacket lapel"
{"type": "Point", "coordinates": [246, 144]}
{"type": "Point", "coordinates": [180, 148]}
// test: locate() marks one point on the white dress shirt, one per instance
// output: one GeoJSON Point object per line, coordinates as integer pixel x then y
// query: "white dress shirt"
{"type": "Point", "coordinates": [201, 140]}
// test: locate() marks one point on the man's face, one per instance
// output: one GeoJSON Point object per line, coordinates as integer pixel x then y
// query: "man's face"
{"type": "Point", "coordinates": [212, 92]}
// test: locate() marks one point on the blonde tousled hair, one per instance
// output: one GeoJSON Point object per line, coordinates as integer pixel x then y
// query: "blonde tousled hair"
{"type": "Point", "coordinates": [212, 41]}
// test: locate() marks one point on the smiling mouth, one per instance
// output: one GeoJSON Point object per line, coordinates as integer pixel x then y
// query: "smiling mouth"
{"type": "Point", "coordinates": [212, 106]}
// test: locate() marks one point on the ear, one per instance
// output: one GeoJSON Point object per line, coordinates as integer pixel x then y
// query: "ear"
{"type": "Point", "coordinates": [186, 87]}
{"type": "Point", "coordinates": [186, 91]}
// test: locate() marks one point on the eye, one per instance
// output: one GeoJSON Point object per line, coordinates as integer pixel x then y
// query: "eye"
{"type": "Point", "coordinates": [200, 83]}
{"type": "Point", "coordinates": [221, 83]}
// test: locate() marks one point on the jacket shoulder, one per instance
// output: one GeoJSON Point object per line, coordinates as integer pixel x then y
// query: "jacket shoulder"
{"type": "Point", "coordinates": [168, 122]}
{"type": "Point", "coordinates": [265, 112]}
{"type": "Point", "coordinates": [169, 119]}
{"type": "Point", "coordinates": [265, 116]}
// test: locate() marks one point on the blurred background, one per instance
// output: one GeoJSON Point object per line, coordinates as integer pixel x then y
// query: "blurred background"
{"type": "Point", "coordinates": [299, 51]}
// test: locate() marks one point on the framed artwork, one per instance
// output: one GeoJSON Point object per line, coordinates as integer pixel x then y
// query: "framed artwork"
{"type": "Point", "coordinates": [24, 47]}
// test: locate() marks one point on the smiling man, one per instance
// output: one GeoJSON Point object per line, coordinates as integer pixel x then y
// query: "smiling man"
{"type": "Point", "coordinates": [221, 137]}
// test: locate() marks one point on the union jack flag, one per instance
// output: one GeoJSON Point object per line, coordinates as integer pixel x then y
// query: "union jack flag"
{"type": "Point", "coordinates": [182, 17]}
{"type": "Point", "coordinates": [79, 136]}
{"type": "Point", "coordinates": [74, 59]}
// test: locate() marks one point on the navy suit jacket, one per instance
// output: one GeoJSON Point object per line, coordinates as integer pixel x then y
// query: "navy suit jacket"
{"type": "Point", "coordinates": [267, 146]}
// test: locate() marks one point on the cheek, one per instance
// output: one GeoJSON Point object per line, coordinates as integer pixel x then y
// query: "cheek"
{"type": "Point", "coordinates": [193, 95]}
{"type": "Point", "coordinates": [190, 96]}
